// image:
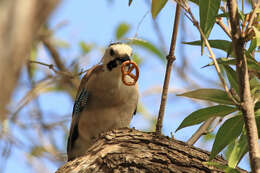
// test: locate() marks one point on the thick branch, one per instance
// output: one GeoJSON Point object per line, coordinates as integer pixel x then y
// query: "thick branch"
{"type": "Point", "coordinates": [247, 105]}
{"type": "Point", "coordinates": [129, 150]}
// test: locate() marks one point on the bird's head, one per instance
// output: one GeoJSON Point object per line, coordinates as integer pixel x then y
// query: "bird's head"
{"type": "Point", "coordinates": [115, 55]}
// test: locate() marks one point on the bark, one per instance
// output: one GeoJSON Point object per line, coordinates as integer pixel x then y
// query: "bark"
{"type": "Point", "coordinates": [129, 150]}
{"type": "Point", "coordinates": [20, 21]}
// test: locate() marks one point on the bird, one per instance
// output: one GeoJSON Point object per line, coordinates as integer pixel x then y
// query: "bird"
{"type": "Point", "coordinates": [103, 102]}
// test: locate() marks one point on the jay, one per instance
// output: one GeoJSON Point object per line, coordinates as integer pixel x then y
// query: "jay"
{"type": "Point", "coordinates": [103, 101]}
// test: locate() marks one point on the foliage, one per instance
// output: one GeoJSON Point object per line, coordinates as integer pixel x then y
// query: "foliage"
{"type": "Point", "coordinates": [232, 131]}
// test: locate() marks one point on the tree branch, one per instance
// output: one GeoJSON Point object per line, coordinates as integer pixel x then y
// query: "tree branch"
{"type": "Point", "coordinates": [171, 58]}
{"type": "Point", "coordinates": [201, 131]}
{"type": "Point", "coordinates": [247, 105]}
{"type": "Point", "coordinates": [129, 150]}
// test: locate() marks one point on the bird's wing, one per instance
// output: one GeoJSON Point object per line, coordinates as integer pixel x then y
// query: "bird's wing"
{"type": "Point", "coordinates": [80, 103]}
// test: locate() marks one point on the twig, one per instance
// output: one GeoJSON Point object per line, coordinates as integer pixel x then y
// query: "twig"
{"type": "Point", "coordinates": [54, 53]}
{"type": "Point", "coordinates": [51, 66]}
{"type": "Point", "coordinates": [201, 131]}
{"type": "Point", "coordinates": [252, 17]}
{"type": "Point", "coordinates": [223, 26]}
{"type": "Point", "coordinates": [72, 82]}
{"type": "Point", "coordinates": [243, 6]}
{"type": "Point", "coordinates": [170, 59]}
{"type": "Point", "coordinates": [247, 105]}
{"type": "Point", "coordinates": [253, 3]}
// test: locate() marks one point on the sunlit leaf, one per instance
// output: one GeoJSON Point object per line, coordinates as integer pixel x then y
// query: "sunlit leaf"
{"type": "Point", "coordinates": [239, 150]}
{"type": "Point", "coordinates": [61, 44]}
{"type": "Point", "coordinates": [228, 132]}
{"type": "Point", "coordinates": [208, 137]}
{"type": "Point", "coordinates": [257, 36]}
{"type": "Point", "coordinates": [157, 6]}
{"type": "Point", "coordinates": [136, 58]}
{"type": "Point", "coordinates": [206, 113]}
{"type": "Point", "coordinates": [214, 95]}
{"type": "Point", "coordinates": [37, 151]}
{"type": "Point", "coordinates": [121, 30]}
{"type": "Point", "coordinates": [85, 48]}
{"type": "Point", "coordinates": [31, 66]}
{"type": "Point", "coordinates": [148, 46]}
{"type": "Point", "coordinates": [208, 12]}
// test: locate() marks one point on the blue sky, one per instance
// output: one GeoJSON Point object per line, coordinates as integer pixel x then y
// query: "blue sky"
{"type": "Point", "coordinates": [95, 21]}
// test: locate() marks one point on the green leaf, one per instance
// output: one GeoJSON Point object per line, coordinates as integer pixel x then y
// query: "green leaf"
{"type": "Point", "coordinates": [31, 66]}
{"type": "Point", "coordinates": [232, 77]}
{"type": "Point", "coordinates": [257, 36]}
{"type": "Point", "coordinates": [208, 13]}
{"type": "Point", "coordinates": [208, 137]}
{"type": "Point", "coordinates": [223, 167]}
{"type": "Point", "coordinates": [136, 58]}
{"type": "Point", "coordinates": [239, 150]}
{"type": "Point", "coordinates": [148, 46]}
{"type": "Point", "coordinates": [217, 44]}
{"type": "Point", "coordinates": [224, 61]}
{"type": "Point", "coordinates": [206, 113]}
{"type": "Point", "coordinates": [257, 118]}
{"type": "Point", "coordinates": [252, 46]}
{"type": "Point", "coordinates": [228, 132]}
{"type": "Point", "coordinates": [121, 30]}
{"type": "Point", "coordinates": [214, 95]}
{"type": "Point", "coordinates": [85, 48]}
{"type": "Point", "coordinates": [157, 6]}
{"type": "Point", "coordinates": [61, 44]}
{"type": "Point", "coordinates": [37, 151]}
{"type": "Point", "coordinates": [195, 1]}
{"type": "Point", "coordinates": [253, 65]}
{"type": "Point", "coordinates": [223, 15]}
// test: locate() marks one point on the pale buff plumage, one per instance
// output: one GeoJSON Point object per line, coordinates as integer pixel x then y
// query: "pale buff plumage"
{"type": "Point", "coordinates": [105, 103]}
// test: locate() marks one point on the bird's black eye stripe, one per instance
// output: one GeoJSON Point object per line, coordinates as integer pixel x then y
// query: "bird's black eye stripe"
{"type": "Point", "coordinates": [112, 52]}
{"type": "Point", "coordinates": [111, 65]}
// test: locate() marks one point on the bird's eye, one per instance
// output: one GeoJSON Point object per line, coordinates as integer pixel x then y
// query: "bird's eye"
{"type": "Point", "coordinates": [112, 53]}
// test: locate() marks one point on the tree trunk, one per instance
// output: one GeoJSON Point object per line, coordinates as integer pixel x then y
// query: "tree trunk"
{"type": "Point", "coordinates": [129, 150]}
{"type": "Point", "coordinates": [20, 21]}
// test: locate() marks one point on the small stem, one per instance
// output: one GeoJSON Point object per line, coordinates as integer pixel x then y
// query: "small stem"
{"type": "Point", "coordinates": [170, 59]}
{"type": "Point", "coordinates": [243, 4]}
{"type": "Point", "coordinates": [201, 131]}
{"type": "Point", "coordinates": [223, 26]}
{"type": "Point", "coordinates": [252, 17]}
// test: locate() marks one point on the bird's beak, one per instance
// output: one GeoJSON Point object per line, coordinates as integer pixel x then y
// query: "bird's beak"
{"type": "Point", "coordinates": [123, 59]}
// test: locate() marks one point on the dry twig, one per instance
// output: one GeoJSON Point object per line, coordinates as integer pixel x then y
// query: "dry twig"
{"type": "Point", "coordinates": [171, 58]}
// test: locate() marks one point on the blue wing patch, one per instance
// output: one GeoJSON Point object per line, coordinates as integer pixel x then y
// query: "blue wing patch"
{"type": "Point", "coordinates": [80, 102]}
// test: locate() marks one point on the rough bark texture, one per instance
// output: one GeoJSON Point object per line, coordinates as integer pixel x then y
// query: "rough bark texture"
{"type": "Point", "coordinates": [129, 150]}
{"type": "Point", "coordinates": [20, 21]}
